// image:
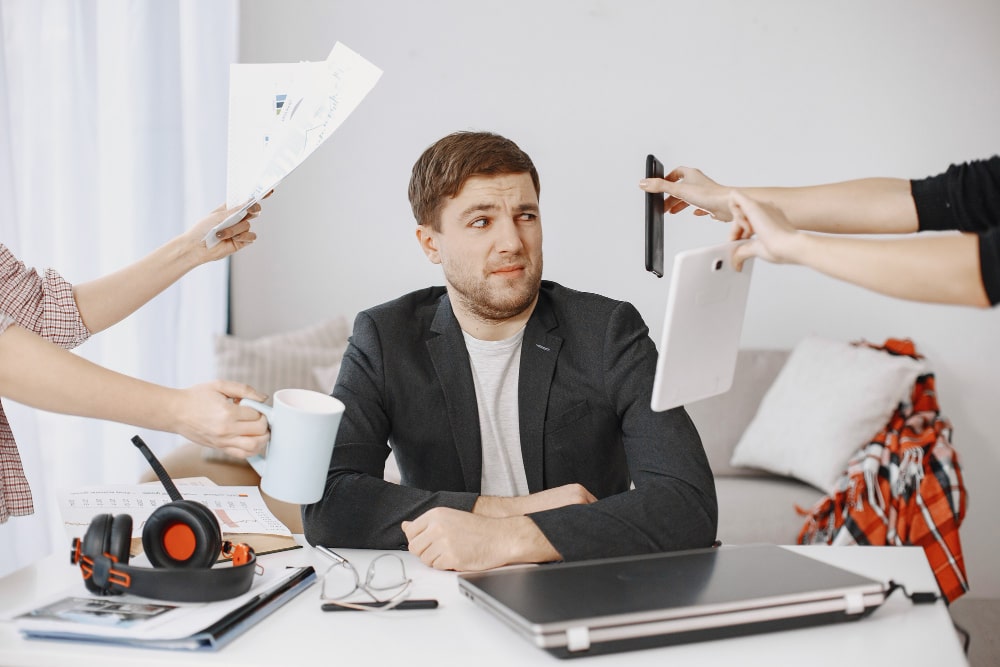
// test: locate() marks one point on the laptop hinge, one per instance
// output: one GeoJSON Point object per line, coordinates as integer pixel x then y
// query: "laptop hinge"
{"type": "Point", "coordinates": [855, 603]}
{"type": "Point", "coordinates": [578, 638]}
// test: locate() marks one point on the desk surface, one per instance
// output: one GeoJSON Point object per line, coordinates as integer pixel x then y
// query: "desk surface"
{"type": "Point", "coordinates": [459, 632]}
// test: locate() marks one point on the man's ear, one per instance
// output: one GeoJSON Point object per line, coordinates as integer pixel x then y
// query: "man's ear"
{"type": "Point", "coordinates": [427, 238]}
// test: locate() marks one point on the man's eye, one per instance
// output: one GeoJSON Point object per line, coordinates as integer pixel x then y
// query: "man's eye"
{"type": "Point", "coordinates": [479, 223]}
{"type": "Point", "coordinates": [527, 217]}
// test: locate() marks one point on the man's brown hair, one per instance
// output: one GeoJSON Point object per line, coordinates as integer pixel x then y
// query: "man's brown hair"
{"type": "Point", "coordinates": [448, 163]}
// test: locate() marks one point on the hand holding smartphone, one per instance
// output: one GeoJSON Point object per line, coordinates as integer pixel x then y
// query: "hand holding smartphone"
{"type": "Point", "coordinates": [654, 220]}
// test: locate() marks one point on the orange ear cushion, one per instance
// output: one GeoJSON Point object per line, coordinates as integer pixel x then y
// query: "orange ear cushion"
{"type": "Point", "coordinates": [182, 534]}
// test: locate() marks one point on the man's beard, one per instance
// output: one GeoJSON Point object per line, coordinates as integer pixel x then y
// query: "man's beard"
{"type": "Point", "coordinates": [492, 304]}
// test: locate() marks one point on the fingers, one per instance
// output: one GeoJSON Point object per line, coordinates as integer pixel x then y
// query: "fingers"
{"type": "Point", "coordinates": [680, 186]}
{"type": "Point", "coordinates": [240, 227]}
{"type": "Point", "coordinates": [674, 205]}
{"type": "Point", "coordinates": [417, 541]}
{"type": "Point", "coordinates": [246, 447]}
{"type": "Point", "coordinates": [237, 390]}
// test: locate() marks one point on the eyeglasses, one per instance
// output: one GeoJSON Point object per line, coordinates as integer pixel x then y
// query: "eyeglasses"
{"type": "Point", "coordinates": [385, 581]}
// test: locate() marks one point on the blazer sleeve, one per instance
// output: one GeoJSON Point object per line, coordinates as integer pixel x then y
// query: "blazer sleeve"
{"type": "Point", "coordinates": [673, 503]}
{"type": "Point", "coordinates": [359, 508]}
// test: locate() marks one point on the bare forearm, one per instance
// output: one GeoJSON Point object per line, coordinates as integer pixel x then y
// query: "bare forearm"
{"type": "Point", "coordinates": [108, 300]}
{"type": "Point", "coordinates": [568, 494]}
{"type": "Point", "coordinates": [526, 543]}
{"type": "Point", "coordinates": [449, 539]}
{"type": "Point", "coordinates": [931, 268]}
{"type": "Point", "coordinates": [37, 373]}
{"type": "Point", "coordinates": [864, 206]}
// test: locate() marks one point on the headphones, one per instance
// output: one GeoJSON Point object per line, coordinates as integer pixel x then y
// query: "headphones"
{"type": "Point", "coordinates": [182, 540]}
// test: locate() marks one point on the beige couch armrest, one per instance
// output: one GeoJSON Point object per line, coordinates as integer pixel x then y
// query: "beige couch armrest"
{"type": "Point", "coordinates": [722, 419]}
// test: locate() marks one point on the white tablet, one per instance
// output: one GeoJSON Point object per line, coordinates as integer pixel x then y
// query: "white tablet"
{"type": "Point", "coordinates": [701, 327]}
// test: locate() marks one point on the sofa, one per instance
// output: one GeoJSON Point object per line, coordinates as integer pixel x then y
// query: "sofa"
{"type": "Point", "coordinates": [754, 505]}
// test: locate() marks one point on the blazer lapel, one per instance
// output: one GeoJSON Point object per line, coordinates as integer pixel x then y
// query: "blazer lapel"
{"type": "Point", "coordinates": [451, 362]}
{"type": "Point", "coordinates": [539, 352]}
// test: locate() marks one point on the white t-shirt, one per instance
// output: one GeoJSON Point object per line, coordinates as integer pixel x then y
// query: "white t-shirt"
{"type": "Point", "coordinates": [495, 370]}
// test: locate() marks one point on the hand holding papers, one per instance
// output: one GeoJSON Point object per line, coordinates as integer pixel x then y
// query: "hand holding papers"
{"type": "Point", "coordinates": [279, 114]}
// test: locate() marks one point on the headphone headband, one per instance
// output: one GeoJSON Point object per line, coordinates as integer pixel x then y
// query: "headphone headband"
{"type": "Point", "coordinates": [105, 573]}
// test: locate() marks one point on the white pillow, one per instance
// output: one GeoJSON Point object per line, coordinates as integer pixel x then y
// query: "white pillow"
{"type": "Point", "coordinates": [279, 361]}
{"type": "Point", "coordinates": [282, 360]}
{"type": "Point", "coordinates": [829, 399]}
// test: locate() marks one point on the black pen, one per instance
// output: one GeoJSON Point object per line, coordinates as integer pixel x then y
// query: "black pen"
{"type": "Point", "coordinates": [405, 604]}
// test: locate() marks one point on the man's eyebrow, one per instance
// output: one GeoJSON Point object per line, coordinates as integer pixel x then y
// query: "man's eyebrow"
{"type": "Point", "coordinates": [478, 208]}
{"type": "Point", "coordinates": [486, 207]}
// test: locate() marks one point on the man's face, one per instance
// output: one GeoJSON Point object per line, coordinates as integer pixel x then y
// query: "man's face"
{"type": "Point", "coordinates": [490, 246]}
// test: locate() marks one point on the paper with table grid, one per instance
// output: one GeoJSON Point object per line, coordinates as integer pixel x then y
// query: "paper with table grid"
{"type": "Point", "coordinates": [241, 511]}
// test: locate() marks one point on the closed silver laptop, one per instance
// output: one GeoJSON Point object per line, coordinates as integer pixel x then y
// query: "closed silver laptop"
{"type": "Point", "coordinates": [617, 604]}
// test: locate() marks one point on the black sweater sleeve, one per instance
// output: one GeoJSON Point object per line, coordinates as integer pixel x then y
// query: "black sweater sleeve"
{"type": "Point", "coordinates": [966, 197]}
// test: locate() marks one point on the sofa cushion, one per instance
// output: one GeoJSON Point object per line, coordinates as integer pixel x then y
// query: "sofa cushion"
{"type": "Point", "coordinates": [829, 399]}
{"type": "Point", "coordinates": [722, 419]}
{"type": "Point", "coordinates": [301, 358]}
{"type": "Point", "coordinates": [762, 510]}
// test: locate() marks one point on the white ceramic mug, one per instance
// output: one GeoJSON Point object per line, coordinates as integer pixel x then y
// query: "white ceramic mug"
{"type": "Point", "coordinates": [304, 426]}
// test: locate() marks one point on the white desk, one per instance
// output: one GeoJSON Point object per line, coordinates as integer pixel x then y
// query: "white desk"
{"type": "Point", "coordinates": [460, 633]}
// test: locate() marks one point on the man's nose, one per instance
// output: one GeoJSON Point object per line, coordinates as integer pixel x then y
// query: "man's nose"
{"type": "Point", "coordinates": [508, 236]}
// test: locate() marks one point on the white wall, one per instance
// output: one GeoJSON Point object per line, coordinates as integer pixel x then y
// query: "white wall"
{"type": "Point", "coordinates": [753, 92]}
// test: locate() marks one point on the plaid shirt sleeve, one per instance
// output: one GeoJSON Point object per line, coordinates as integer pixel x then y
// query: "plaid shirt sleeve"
{"type": "Point", "coordinates": [43, 304]}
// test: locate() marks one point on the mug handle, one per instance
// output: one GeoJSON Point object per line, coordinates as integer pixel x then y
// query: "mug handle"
{"type": "Point", "coordinates": [257, 461]}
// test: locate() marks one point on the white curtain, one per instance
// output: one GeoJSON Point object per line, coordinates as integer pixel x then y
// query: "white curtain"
{"type": "Point", "coordinates": [113, 117]}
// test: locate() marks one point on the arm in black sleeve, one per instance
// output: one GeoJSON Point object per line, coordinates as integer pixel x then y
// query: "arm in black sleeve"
{"type": "Point", "coordinates": [359, 508]}
{"type": "Point", "coordinates": [673, 504]}
{"type": "Point", "coordinates": [966, 198]}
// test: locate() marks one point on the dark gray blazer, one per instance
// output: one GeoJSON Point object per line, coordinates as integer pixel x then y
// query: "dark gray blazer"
{"type": "Point", "coordinates": [586, 374]}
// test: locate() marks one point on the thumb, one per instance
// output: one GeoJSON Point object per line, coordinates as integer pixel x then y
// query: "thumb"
{"type": "Point", "coordinates": [742, 253]}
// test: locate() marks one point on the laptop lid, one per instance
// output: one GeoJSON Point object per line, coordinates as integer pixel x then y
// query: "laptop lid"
{"type": "Point", "coordinates": [616, 604]}
{"type": "Point", "coordinates": [702, 324]}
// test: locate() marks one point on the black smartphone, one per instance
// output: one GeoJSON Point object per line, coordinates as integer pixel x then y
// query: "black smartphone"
{"type": "Point", "coordinates": [654, 220]}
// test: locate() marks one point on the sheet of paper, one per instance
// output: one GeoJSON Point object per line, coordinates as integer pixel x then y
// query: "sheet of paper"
{"type": "Point", "coordinates": [239, 509]}
{"type": "Point", "coordinates": [279, 113]}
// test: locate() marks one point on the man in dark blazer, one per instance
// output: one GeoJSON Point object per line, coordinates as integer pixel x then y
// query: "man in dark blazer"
{"type": "Point", "coordinates": [518, 409]}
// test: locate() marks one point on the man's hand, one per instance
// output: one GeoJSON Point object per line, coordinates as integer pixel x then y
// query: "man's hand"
{"type": "Point", "coordinates": [450, 539]}
{"type": "Point", "coordinates": [561, 496]}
